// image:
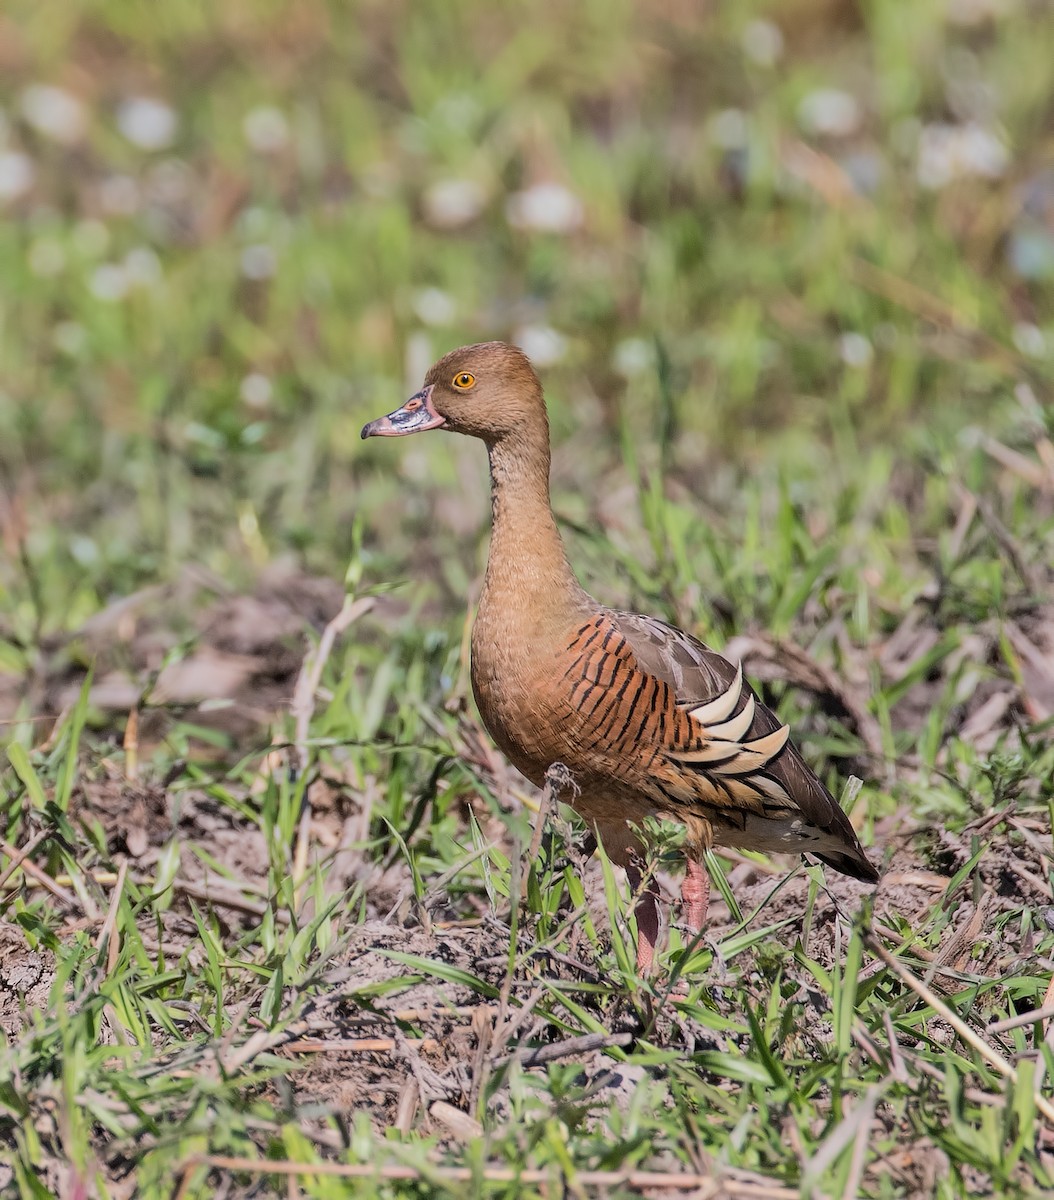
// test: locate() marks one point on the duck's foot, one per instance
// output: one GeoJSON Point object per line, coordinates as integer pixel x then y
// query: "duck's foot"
{"type": "Point", "coordinates": [695, 895]}
{"type": "Point", "coordinates": [695, 901]}
{"type": "Point", "coordinates": [646, 911]}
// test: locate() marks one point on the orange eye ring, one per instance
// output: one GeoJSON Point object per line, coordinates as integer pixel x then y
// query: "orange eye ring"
{"type": "Point", "coordinates": [464, 380]}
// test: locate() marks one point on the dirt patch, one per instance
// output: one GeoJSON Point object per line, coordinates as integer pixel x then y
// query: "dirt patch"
{"type": "Point", "coordinates": [26, 977]}
{"type": "Point", "coordinates": [191, 647]}
{"type": "Point", "coordinates": [408, 1042]}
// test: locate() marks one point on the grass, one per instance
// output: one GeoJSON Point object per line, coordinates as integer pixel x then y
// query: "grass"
{"type": "Point", "coordinates": [799, 399]}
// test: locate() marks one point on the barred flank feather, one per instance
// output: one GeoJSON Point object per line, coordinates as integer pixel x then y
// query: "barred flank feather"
{"type": "Point", "coordinates": [651, 694]}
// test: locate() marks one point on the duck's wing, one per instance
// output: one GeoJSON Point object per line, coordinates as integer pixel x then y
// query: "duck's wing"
{"type": "Point", "coordinates": [739, 747]}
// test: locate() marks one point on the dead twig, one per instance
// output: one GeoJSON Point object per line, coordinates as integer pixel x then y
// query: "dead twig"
{"type": "Point", "coordinates": [224, 899]}
{"type": "Point", "coordinates": [512, 1026]}
{"type": "Point", "coordinates": [107, 934]}
{"type": "Point", "coordinates": [303, 709]}
{"type": "Point", "coordinates": [456, 1122]}
{"type": "Point", "coordinates": [19, 855]}
{"type": "Point", "coordinates": [1022, 466]}
{"type": "Point", "coordinates": [707, 1187]}
{"type": "Point", "coordinates": [557, 779]}
{"type": "Point", "coordinates": [406, 1109]}
{"type": "Point", "coordinates": [539, 1055]}
{"type": "Point", "coordinates": [853, 1130]}
{"type": "Point", "coordinates": [40, 877]}
{"type": "Point", "coordinates": [131, 746]}
{"type": "Point", "coordinates": [1006, 541]}
{"type": "Point", "coordinates": [1027, 1018]}
{"type": "Point", "coordinates": [351, 1045]}
{"type": "Point", "coordinates": [303, 703]}
{"type": "Point", "coordinates": [990, 1056]}
{"type": "Point", "coordinates": [955, 950]}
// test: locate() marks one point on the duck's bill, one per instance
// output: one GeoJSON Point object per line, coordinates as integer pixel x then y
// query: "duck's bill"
{"type": "Point", "coordinates": [416, 415]}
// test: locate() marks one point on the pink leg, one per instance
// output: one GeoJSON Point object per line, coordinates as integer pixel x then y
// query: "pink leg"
{"type": "Point", "coordinates": [695, 894]}
{"type": "Point", "coordinates": [647, 914]}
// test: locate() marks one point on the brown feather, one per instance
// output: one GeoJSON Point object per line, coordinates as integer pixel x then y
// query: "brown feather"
{"type": "Point", "coordinates": [699, 675]}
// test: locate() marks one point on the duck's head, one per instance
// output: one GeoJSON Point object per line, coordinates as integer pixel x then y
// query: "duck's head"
{"type": "Point", "coordinates": [488, 391]}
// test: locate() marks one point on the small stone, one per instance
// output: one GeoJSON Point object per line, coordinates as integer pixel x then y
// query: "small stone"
{"type": "Point", "coordinates": [634, 356]}
{"type": "Point", "coordinates": [545, 208]}
{"type": "Point", "coordinates": [434, 306]}
{"type": "Point", "coordinates": [147, 123]}
{"type": "Point", "coordinates": [729, 129]}
{"type": "Point", "coordinates": [763, 42]}
{"type": "Point", "coordinates": [830, 112]}
{"type": "Point", "coordinates": [266, 129]}
{"type": "Point", "coordinates": [142, 267]}
{"type": "Point", "coordinates": [256, 390]}
{"type": "Point", "coordinates": [258, 261]}
{"type": "Point", "coordinates": [109, 282]}
{"type": "Point", "coordinates": [1030, 339]}
{"type": "Point", "coordinates": [855, 349]}
{"type": "Point", "coordinates": [542, 344]}
{"type": "Point", "coordinates": [54, 112]}
{"type": "Point", "coordinates": [949, 152]}
{"type": "Point", "coordinates": [453, 203]}
{"type": "Point", "coordinates": [17, 173]}
{"type": "Point", "coordinates": [982, 152]}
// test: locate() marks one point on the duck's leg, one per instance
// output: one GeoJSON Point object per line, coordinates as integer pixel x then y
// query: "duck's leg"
{"type": "Point", "coordinates": [647, 914]}
{"type": "Point", "coordinates": [695, 895]}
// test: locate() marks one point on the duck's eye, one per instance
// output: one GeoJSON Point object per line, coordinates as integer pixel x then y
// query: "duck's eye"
{"type": "Point", "coordinates": [463, 381]}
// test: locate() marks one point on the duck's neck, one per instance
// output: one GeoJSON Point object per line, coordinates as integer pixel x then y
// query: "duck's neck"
{"type": "Point", "coordinates": [527, 569]}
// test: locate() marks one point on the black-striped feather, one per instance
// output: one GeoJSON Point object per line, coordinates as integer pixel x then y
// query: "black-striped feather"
{"type": "Point", "coordinates": [644, 688]}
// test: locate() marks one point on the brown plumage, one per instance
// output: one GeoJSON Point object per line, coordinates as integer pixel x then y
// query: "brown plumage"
{"type": "Point", "coordinates": [647, 719]}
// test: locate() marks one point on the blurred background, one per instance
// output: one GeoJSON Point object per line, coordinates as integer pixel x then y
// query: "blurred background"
{"type": "Point", "coordinates": [798, 253]}
{"type": "Point", "coordinates": [786, 270]}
